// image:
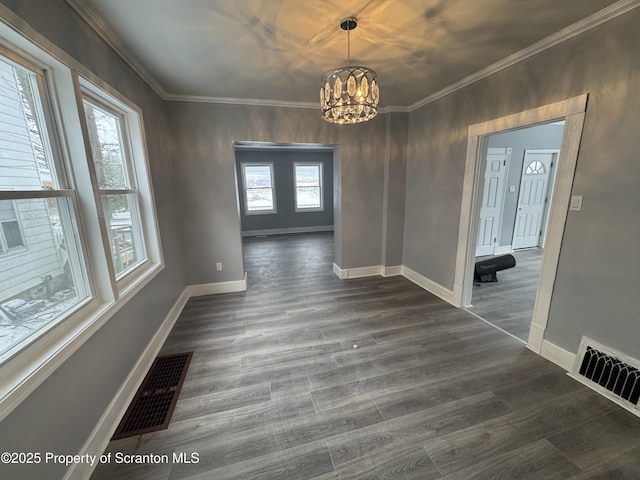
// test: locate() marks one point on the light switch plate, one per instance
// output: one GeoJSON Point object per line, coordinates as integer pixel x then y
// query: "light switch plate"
{"type": "Point", "coordinates": [576, 203]}
{"type": "Point", "coordinates": [512, 188]}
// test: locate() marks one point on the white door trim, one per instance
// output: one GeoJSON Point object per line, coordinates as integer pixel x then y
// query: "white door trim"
{"type": "Point", "coordinates": [573, 111]}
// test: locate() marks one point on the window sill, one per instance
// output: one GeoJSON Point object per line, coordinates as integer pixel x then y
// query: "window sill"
{"type": "Point", "coordinates": [27, 369]}
{"type": "Point", "coordinates": [262, 212]}
{"type": "Point", "coordinates": [308, 210]}
{"type": "Point", "coordinates": [14, 251]}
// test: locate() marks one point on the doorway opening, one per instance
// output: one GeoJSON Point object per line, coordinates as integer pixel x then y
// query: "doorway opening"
{"type": "Point", "coordinates": [284, 190]}
{"type": "Point", "coordinates": [516, 196]}
{"type": "Point", "coordinates": [572, 111]}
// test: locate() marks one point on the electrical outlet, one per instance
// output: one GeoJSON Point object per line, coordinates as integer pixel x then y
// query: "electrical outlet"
{"type": "Point", "coordinates": [576, 203]}
{"type": "Point", "coordinates": [219, 266]}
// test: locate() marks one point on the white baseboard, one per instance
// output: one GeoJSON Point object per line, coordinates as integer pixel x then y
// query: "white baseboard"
{"type": "Point", "coordinates": [391, 271]}
{"type": "Point", "coordinates": [558, 355]}
{"type": "Point", "coordinates": [430, 286]}
{"type": "Point", "coordinates": [358, 272]}
{"type": "Point", "coordinates": [338, 271]}
{"type": "Point", "coordinates": [216, 288]}
{"type": "Point", "coordinates": [285, 231]}
{"type": "Point", "coordinates": [374, 270]}
{"type": "Point", "coordinates": [503, 249]}
{"type": "Point", "coordinates": [102, 433]}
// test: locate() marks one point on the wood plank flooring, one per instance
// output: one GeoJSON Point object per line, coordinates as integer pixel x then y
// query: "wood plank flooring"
{"type": "Point", "coordinates": [508, 303]}
{"type": "Point", "coordinates": [277, 389]}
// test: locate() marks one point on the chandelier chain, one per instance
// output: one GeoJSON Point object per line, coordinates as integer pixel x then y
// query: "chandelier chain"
{"type": "Point", "coordinates": [348, 47]}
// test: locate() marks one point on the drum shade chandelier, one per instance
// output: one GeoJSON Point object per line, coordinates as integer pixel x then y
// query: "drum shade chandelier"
{"type": "Point", "coordinates": [349, 94]}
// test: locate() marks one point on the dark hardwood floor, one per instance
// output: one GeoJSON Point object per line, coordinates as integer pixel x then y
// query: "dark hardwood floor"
{"type": "Point", "coordinates": [508, 303]}
{"type": "Point", "coordinates": [278, 390]}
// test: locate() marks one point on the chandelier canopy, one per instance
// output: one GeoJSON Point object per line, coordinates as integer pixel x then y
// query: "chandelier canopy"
{"type": "Point", "coordinates": [349, 94]}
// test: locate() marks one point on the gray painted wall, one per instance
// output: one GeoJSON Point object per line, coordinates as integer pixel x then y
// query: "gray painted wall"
{"type": "Point", "coordinates": [206, 171]}
{"type": "Point", "coordinates": [194, 181]}
{"type": "Point", "coordinates": [538, 137]}
{"type": "Point", "coordinates": [599, 262]}
{"type": "Point", "coordinates": [286, 216]}
{"type": "Point", "coordinates": [61, 413]}
{"type": "Point", "coordinates": [395, 188]}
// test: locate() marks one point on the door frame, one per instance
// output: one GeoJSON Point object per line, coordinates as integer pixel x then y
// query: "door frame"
{"type": "Point", "coordinates": [572, 110]}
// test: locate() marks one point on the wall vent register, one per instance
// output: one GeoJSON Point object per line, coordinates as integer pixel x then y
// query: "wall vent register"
{"type": "Point", "coordinates": [155, 400]}
{"type": "Point", "coordinates": [609, 372]}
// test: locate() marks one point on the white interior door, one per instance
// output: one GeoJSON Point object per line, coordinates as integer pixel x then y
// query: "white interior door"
{"type": "Point", "coordinates": [492, 201]}
{"type": "Point", "coordinates": [533, 199]}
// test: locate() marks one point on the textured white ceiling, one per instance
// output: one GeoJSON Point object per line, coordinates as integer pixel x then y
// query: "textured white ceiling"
{"type": "Point", "coordinates": [279, 50]}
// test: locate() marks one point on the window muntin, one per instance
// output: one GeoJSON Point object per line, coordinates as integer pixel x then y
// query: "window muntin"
{"type": "Point", "coordinates": [43, 277]}
{"type": "Point", "coordinates": [259, 191]}
{"type": "Point", "coordinates": [116, 184]}
{"type": "Point", "coordinates": [308, 187]}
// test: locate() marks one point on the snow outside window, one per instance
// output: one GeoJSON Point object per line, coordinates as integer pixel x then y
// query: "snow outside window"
{"type": "Point", "coordinates": [259, 192]}
{"type": "Point", "coordinates": [43, 274]}
{"type": "Point", "coordinates": [308, 187]}
{"type": "Point", "coordinates": [117, 187]}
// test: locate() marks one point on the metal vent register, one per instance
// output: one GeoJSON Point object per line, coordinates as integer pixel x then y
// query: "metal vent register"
{"type": "Point", "coordinates": [612, 374]}
{"type": "Point", "coordinates": [153, 404]}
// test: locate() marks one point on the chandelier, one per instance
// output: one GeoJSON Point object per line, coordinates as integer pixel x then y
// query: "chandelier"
{"type": "Point", "coordinates": [349, 94]}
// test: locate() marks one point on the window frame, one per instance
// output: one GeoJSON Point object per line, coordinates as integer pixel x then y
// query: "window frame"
{"type": "Point", "coordinates": [320, 186]}
{"type": "Point", "coordinates": [129, 160]}
{"type": "Point", "coordinates": [32, 360]}
{"type": "Point", "coordinates": [272, 211]}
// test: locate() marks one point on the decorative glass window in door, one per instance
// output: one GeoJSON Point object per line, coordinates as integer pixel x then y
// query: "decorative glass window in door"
{"type": "Point", "coordinates": [535, 168]}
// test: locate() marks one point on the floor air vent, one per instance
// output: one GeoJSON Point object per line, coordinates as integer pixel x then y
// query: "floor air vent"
{"type": "Point", "coordinates": [618, 376]}
{"type": "Point", "coordinates": [153, 404]}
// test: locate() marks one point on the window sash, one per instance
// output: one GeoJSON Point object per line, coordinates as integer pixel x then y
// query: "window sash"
{"type": "Point", "coordinates": [59, 263]}
{"type": "Point", "coordinates": [302, 191]}
{"type": "Point", "coordinates": [43, 117]}
{"type": "Point", "coordinates": [126, 248]}
{"type": "Point", "coordinates": [123, 140]}
{"type": "Point", "coordinates": [48, 277]}
{"type": "Point", "coordinates": [268, 192]}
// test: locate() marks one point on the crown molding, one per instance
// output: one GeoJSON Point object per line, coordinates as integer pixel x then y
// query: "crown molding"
{"type": "Point", "coordinates": [598, 18]}
{"type": "Point", "coordinates": [97, 23]}
{"type": "Point", "coordinates": [255, 102]}
{"type": "Point", "coordinates": [394, 109]}
{"type": "Point", "coordinates": [113, 40]}
{"type": "Point", "coordinates": [240, 101]}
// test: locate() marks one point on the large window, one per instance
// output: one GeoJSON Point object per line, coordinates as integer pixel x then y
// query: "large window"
{"type": "Point", "coordinates": [78, 234]}
{"type": "Point", "coordinates": [43, 271]}
{"type": "Point", "coordinates": [259, 192]}
{"type": "Point", "coordinates": [116, 183]}
{"type": "Point", "coordinates": [308, 186]}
